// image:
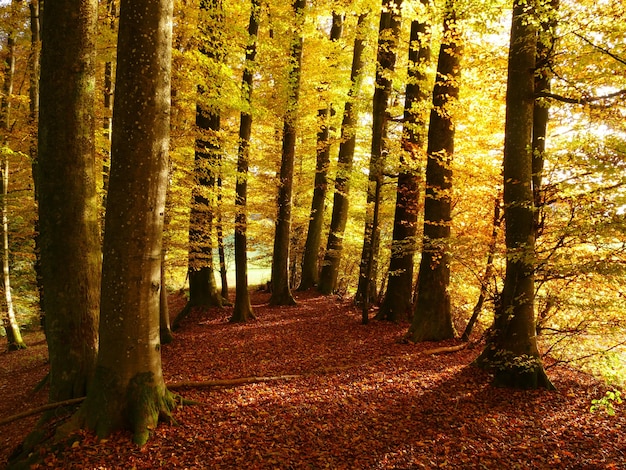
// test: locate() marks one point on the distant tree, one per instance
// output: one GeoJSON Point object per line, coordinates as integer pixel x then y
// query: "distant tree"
{"type": "Point", "coordinates": [68, 202]}
{"type": "Point", "coordinates": [11, 327]}
{"type": "Point", "coordinates": [432, 319]}
{"type": "Point", "coordinates": [310, 268]}
{"type": "Point", "coordinates": [243, 309]}
{"type": "Point", "coordinates": [398, 302]}
{"type": "Point", "coordinates": [128, 391]}
{"type": "Point", "coordinates": [345, 162]}
{"type": "Point", "coordinates": [388, 36]}
{"type": "Point", "coordinates": [511, 350]}
{"type": "Point", "coordinates": [281, 290]}
{"type": "Point", "coordinates": [202, 284]}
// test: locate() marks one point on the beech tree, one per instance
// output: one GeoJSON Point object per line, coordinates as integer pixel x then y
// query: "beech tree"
{"type": "Point", "coordinates": [281, 290]}
{"type": "Point", "coordinates": [127, 390]}
{"type": "Point", "coordinates": [397, 302]}
{"type": "Point", "coordinates": [432, 320]}
{"type": "Point", "coordinates": [202, 284]}
{"type": "Point", "coordinates": [511, 351]}
{"type": "Point", "coordinates": [388, 36]}
{"type": "Point", "coordinates": [310, 268]}
{"type": "Point", "coordinates": [345, 162]}
{"type": "Point", "coordinates": [243, 310]}
{"type": "Point", "coordinates": [9, 321]}
{"type": "Point", "coordinates": [68, 203]}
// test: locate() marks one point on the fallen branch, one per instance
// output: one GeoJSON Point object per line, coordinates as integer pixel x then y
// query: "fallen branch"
{"type": "Point", "coordinates": [41, 409]}
{"type": "Point", "coordinates": [228, 382]}
{"type": "Point", "coordinates": [445, 349]}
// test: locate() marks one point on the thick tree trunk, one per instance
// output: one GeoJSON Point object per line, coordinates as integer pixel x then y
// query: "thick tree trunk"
{"type": "Point", "coordinates": [398, 302]}
{"type": "Point", "coordinates": [388, 32]}
{"type": "Point", "coordinates": [281, 291]}
{"type": "Point", "coordinates": [511, 351]}
{"type": "Point", "coordinates": [243, 309]}
{"type": "Point", "coordinates": [341, 202]}
{"type": "Point", "coordinates": [202, 284]}
{"type": "Point", "coordinates": [432, 319]}
{"type": "Point", "coordinates": [128, 391]}
{"type": "Point", "coordinates": [68, 201]}
{"type": "Point", "coordinates": [310, 268]}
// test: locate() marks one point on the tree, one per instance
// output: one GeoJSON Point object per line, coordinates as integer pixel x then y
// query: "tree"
{"type": "Point", "coordinates": [345, 162]}
{"type": "Point", "coordinates": [310, 269]}
{"type": "Point", "coordinates": [202, 285]}
{"type": "Point", "coordinates": [128, 391]}
{"type": "Point", "coordinates": [388, 35]}
{"type": "Point", "coordinates": [432, 320]}
{"type": "Point", "coordinates": [243, 310]}
{"type": "Point", "coordinates": [11, 327]}
{"type": "Point", "coordinates": [511, 351]}
{"type": "Point", "coordinates": [68, 204]}
{"type": "Point", "coordinates": [281, 291]}
{"type": "Point", "coordinates": [397, 301]}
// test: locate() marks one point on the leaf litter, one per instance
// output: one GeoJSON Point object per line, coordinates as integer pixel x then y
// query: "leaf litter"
{"type": "Point", "coordinates": [353, 397]}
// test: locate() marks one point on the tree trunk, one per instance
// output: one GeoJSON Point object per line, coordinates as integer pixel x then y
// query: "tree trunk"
{"type": "Point", "coordinates": [432, 319]}
{"type": "Point", "coordinates": [388, 33]}
{"type": "Point", "coordinates": [33, 92]}
{"type": "Point", "coordinates": [202, 285]}
{"type": "Point", "coordinates": [281, 291]}
{"type": "Point", "coordinates": [243, 310]}
{"type": "Point", "coordinates": [511, 351]}
{"type": "Point", "coordinates": [68, 200]}
{"type": "Point", "coordinates": [341, 202]}
{"type": "Point", "coordinates": [165, 329]}
{"type": "Point", "coordinates": [11, 327]}
{"type": "Point", "coordinates": [310, 268]}
{"type": "Point", "coordinates": [128, 391]}
{"type": "Point", "coordinates": [398, 302]}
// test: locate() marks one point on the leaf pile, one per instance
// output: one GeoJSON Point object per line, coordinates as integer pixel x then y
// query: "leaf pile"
{"type": "Point", "coordinates": [360, 399]}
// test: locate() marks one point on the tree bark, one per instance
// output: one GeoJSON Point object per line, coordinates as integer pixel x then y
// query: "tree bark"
{"type": "Point", "coordinates": [397, 302]}
{"type": "Point", "coordinates": [128, 391]}
{"type": "Point", "coordinates": [334, 247]}
{"type": "Point", "coordinates": [388, 33]}
{"type": "Point", "coordinates": [68, 201]}
{"type": "Point", "coordinates": [511, 351]}
{"type": "Point", "coordinates": [202, 284]}
{"type": "Point", "coordinates": [243, 309]}
{"type": "Point", "coordinates": [11, 327]}
{"type": "Point", "coordinates": [432, 319]}
{"type": "Point", "coordinates": [310, 268]}
{"type": "Point", "coordinates": [281, 291]}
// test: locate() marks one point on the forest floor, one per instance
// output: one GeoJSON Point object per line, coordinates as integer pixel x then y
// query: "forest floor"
{"type": "Point", "coordinates": [351, 396]}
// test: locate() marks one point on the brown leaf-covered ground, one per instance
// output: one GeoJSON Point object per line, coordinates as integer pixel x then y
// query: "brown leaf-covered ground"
{"type": "Point", "coordinates": [361, 400]}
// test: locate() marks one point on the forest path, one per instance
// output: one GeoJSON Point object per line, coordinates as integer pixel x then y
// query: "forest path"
{"type": "Point", "coordinates": [361, 400]}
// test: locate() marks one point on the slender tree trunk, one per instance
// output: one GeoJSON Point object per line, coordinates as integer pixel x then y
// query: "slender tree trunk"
{"type": "Point", "coordinates": [108, 108]}
{"type": "Point", "coordinates": [165, 329]}
{"type": "Point", "coordinates": [388, 33]}
{"type": "Point", "coordinates": [341, 201]}
{"type": "Point", "coordinates": [243, 310]}
{"type": "Point", "coordinates": [221, 249]}
{"type": "Point", "coordinates": [488, 274]}
{"type": "Point", "coordinates": [432, 319]}
{"type": "Point", "coordinates": [511, 351]}
{"type": "Point", "coordinates": [68, 201]}
{"type": "Point", "coordinates": [310, 268]}
{"type": "Point", "coordinates": [33, 92]}
{"type": "Point", "coordinates": [397, 302]}
{"type": "Point", "coordinates": [202, 285]}
{"type": "Point", "coordinates": [11, 327]}
{"type": "Point", "coordinates": [281, 291]}
{"type": "Point", "coordinates": [128, 391]}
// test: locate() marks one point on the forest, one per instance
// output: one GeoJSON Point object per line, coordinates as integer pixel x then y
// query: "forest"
{"type": "Point", "coordinates": [209, 205]}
